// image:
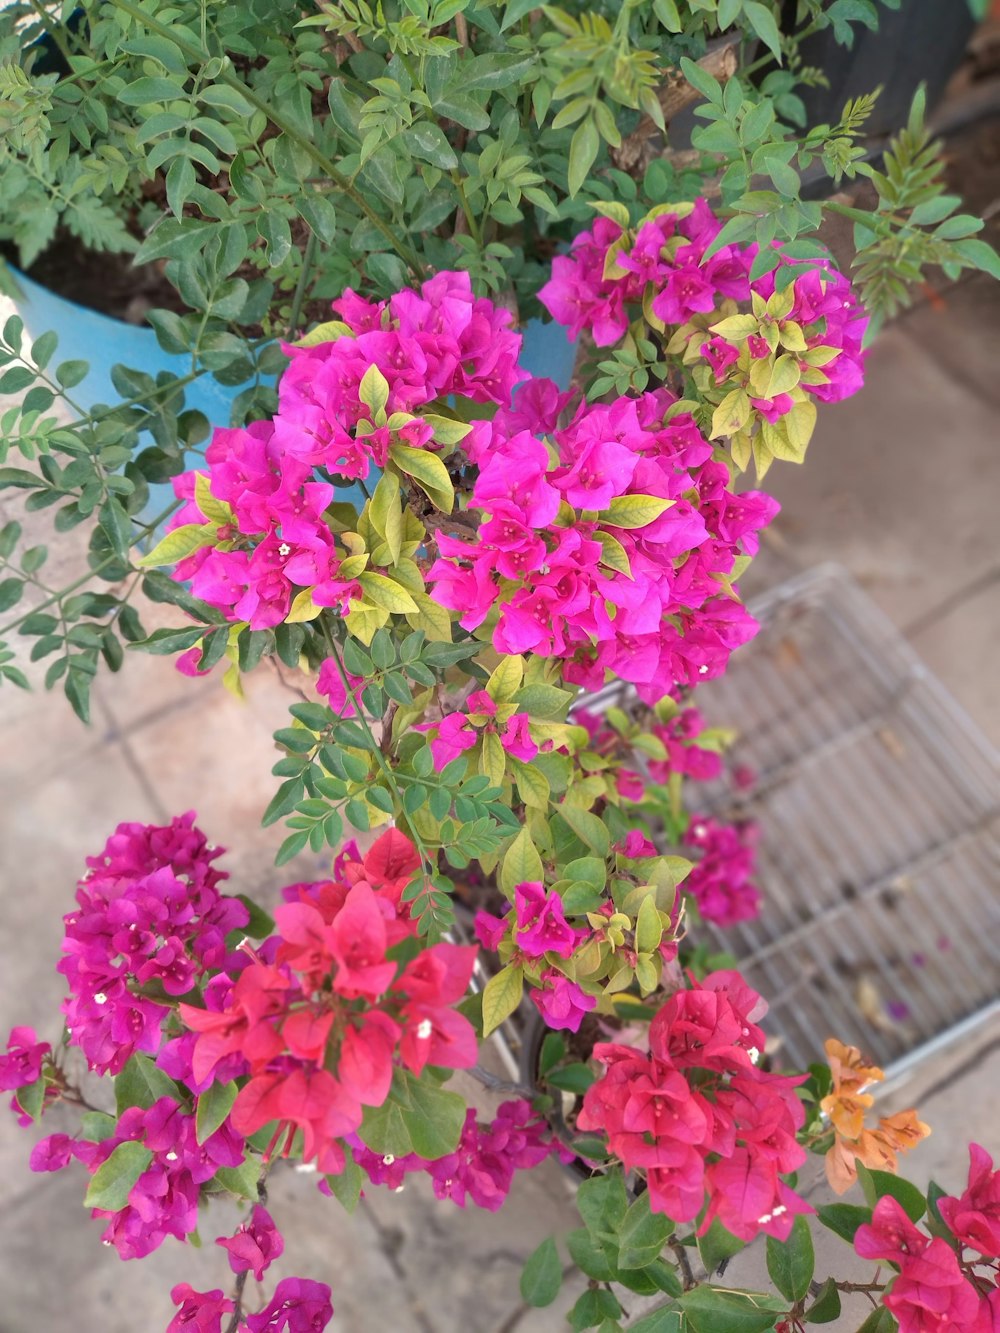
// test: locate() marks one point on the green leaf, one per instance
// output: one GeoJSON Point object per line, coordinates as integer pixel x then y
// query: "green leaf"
{"type": "Point", "coordinates": [717, 1246]}
{"type": "Point", "coordinates": [96, 1126]}
{"type": "Point", "coordinates": [980, 255]}
{"type": "Point", "coordinates": [583, 151]}
{"type": "Point", "coordinates": [843, 1218]}
{"type": "Point", "coordinates": [71, 373]}
{"type": "Point", "coordinates": [117, 526]}
{"type": "Point", "coordinates": [31, 1098]}
{"type": "Point", "coordinates": [643, 1234]}
{"type": "Point", "coordinates": [416, 1117]}
{"type": "Point", "coordinates": [588, 828]}
{"type": "Point", "coordinates": [603, 1203]}
{"type": "Point", "coordinates": [763, 23]}
{"type": "Point", "coordinates": [659, 1321]}
{"type": "Point", "coordinates": [634, 511]}
{"type": "Point", "coordinates": [144, 91]}
{"type": "Point", "coordinates": [275, 232]}
{"type": "Point", "coordinates": [492, 71]}
{"type": "Point", "coordinates": [241, 1180]}
{"type": "Point", "coordinates": [163, 642]}
{"type": "Point", "coordinates": [346, 1187]}
{"type": "Point", "coordinates": [877, 1184]}
{"type": "Point", "coordinates": [179, 544]}
{"type": "Point", "coordinates": [214, 1104]}
{"type": "Point", "coordinates": [589, 1256]}
{"type": "Point", "coordinates": [112, 1182]}
{"type": "Point", "coordinates": [501, 996]}
{"type": "Point", "coordinates": [648, 927]}
{"type": "Point", "coordinates": [826, 1307]}
{"type": "Point", "coordinates": [428, 142]}
{"type": "Point", "coordinates": [541, 1276]}
{"type": "Point", "coordinates": [593, 1308]}
{"type": "Point", "coordinates": [720, 1310]}
{"type": "Point", "coordinates": [791, 1262]}
{"type": "Point", "coordinates": [141, 1083]}
{"type": "Point", "coordinates": [701, 80]}
{"type": "Point", "coordinates": [879, 1321]}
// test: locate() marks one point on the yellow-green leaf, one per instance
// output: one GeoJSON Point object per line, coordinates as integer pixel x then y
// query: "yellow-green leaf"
{"type": "Point", "coordinates": [799, 424]}
{"type": "Point", "coordinates": [613, 554]}
{"type": "Point", "coordinates": [363, 620]}
{"type": "Point", "coordinates": [179, 544]}
{"type": "Point", "coordinates": [646, 972]}
{"type": "Point", "coordinates": [648, 927]}
{"type": "Point", "coordinates": [353, 566]}
{"type": "Point", "coordinates": [505, 681]}
{"type": "Point", "coordinates": [428, 471]}
{"type": "Point", "coordinates": [532, 784]}
{"type": "Point", "coordinates": [386, 497]}
{"type": "Point", "coordinates": [216, 511]}
{"type": "Point", "coordinates": [374, 391]}
{"type": "Point", "coordinates": [447, 430]}
{"type": "Point", "coordinates": [732, 414]}
{"type": "Point", "coordinates": [501, 996]}
{"type": "Point", "coordinates": [494, 758]}
{"type": "Point", "coordinates": [303, 608]}
{"type": "Point", "coordinates": [431, 617]}
{"type": "Point", "coordinates": [521, 864]}
{"type": "Point", "coordinates": [386, 593]}
{"type": "Point", "coordinates": [785, 375]}
{"type": "Point", "coordinates": [634, 511]}
{"type": "Point", "coordinates": [324, 333]}
{"type": "Point", "coordinates": [736, 327]}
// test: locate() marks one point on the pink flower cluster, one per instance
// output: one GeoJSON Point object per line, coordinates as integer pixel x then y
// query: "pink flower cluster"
{"type": "Point", "coordinates": [936, 1287]}
{"type": "Point", "coordinates": [164, 1200]}
{"type": "Point", "coordinates": [720, 879]}
{"type": "Point", "coordinates": [483, 1165]}
{"type": "Point", "coordinates": [273, 475]}
{"type": "Point", "coordinates": [556, 575]}
{"type": "Point", "coordinates": [664, 268]}
{"type": "Point", "coordinates": [148, 914]}
{"type": "Point", "coordinates": [458, 732]}
{"type": "Point", "coordinates": [22, 1065]}
{"type": "Point", "coordinates": [699, 1118]}
{"type": "Point", "coordinates": [299, 1305]}
{"type": "Point", "coordinates": [320, 1016]}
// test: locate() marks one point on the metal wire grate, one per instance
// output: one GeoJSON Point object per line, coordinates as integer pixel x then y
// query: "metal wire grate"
{"type": "Point", "coordinates": [878, 802]}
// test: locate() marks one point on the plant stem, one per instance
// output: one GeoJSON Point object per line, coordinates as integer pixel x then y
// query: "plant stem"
{"type": "Point", "coordinates": [300, 286]}
{"type": "Point", "coordinates": [237, 1316]}
{"type": "Point", "coordinates": [387, 772]}
{"type": "Point", "coordinates": [410, 256]}
{"type": "Point", "coordinates": [90, 574]}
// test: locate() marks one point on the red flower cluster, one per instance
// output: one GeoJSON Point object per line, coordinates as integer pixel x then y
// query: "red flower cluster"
{"type": "Point", "coordinates": [931, 1291]}
{"type": "Point", "coordinates": [697, 1115]}
{"type": "Point", "coordinates": [321, 1015]}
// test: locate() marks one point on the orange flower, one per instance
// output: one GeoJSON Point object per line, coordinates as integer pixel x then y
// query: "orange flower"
{"type": "Point", "coordinates": [845, 1108]}
{"type": "Point", "coordinates": [846, 1112]}
{"type": "Point", "coordinates": [849, 1074]}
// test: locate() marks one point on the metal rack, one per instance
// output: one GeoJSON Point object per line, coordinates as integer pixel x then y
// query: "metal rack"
{"type": "Point", "coordinates": [878, 802]}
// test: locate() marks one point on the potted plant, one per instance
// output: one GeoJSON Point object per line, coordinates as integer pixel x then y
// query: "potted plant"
{"type": "Point", "coordinates": [457, 554]}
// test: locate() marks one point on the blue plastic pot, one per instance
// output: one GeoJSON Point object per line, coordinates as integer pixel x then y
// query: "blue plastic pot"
{"type": "Point", "coordinates": [103, 342]}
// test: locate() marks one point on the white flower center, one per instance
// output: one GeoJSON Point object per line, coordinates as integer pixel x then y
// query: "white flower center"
{"type": "Point", "coordinates": [424, 1029]}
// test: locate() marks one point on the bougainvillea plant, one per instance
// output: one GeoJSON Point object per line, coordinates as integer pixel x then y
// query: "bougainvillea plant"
{"type": "Point", "coordinates": [501, 841]}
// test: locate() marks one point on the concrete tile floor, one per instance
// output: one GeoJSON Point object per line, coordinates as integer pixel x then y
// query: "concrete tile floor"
{"type": "Point", "coordinates": [901, 486]}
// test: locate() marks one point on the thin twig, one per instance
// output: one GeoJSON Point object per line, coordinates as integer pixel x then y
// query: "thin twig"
{"type": "Point", "coordinates": [236, 1317]}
